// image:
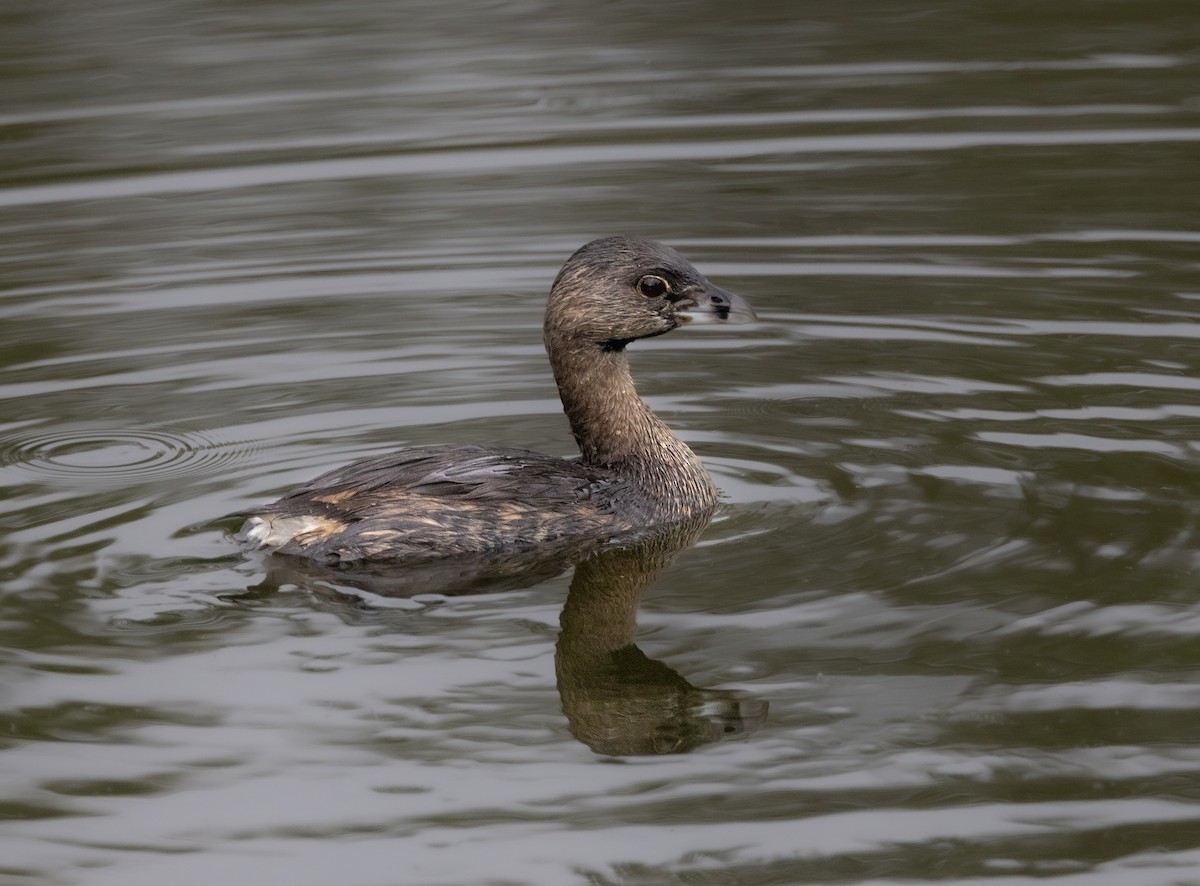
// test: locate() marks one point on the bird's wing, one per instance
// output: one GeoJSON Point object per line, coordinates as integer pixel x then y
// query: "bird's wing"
{"type": "Point", "coordinates": [465, 472]}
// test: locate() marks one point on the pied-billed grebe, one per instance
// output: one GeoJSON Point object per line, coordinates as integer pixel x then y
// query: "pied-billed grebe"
{"type": "Point", "coordinates": [633, 474]}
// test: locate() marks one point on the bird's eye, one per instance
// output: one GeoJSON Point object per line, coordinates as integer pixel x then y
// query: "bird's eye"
{"type": "Point", "coordinates": [653, 287]}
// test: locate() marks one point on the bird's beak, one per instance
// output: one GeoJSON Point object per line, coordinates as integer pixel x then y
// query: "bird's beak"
{"type": "Point", "coordinates": [712, 304]}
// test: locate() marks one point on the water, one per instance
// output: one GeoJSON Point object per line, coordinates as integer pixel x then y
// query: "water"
{"type": "Point", "coordinates": [944, 628]}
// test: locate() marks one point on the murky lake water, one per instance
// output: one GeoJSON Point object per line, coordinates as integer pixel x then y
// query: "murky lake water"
{"type": "Point", "coordinates": [946, 624]}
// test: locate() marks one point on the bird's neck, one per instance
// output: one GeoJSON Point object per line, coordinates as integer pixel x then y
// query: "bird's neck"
{"type": "Point", "coordinates": [616, 430]}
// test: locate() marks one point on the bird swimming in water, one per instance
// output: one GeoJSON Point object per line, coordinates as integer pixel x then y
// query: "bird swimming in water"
{"type": "Point", "coordinates": [633, 474]}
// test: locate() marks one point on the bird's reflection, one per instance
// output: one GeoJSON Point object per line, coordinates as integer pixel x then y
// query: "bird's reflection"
{"type": "Point", "coordinates": [617, 700]}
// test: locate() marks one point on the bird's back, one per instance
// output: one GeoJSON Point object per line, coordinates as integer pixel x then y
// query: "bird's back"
{"type": "Point", "coordinates": [440, 501]}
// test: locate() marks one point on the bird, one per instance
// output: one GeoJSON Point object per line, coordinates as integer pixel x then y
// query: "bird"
{"type": "Point", "coordinates": [633, 475]}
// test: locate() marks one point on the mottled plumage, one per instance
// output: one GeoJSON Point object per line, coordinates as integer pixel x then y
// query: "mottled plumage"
{"type": "Point", "coordinates": [440, 501]}
{"type": "Point", "coordinates": [433, 502]}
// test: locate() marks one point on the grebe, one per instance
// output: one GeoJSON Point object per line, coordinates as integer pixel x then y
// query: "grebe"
{"type": "Point", "coordinates": [633, 474]}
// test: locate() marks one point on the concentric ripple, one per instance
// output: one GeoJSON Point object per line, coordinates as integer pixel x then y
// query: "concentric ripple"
{"type": "Point", "coordinates": [105, 455]}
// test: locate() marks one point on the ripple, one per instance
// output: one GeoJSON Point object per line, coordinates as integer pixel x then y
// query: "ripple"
{"type": "Point", "coordinates": [103, 455]}
{"type": "Point", "coordinates": [1087, 442]}
{"type": "Point", "coordinates": [1085, 618]}
{"type": "Point", "coordinates": [505, 158]}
